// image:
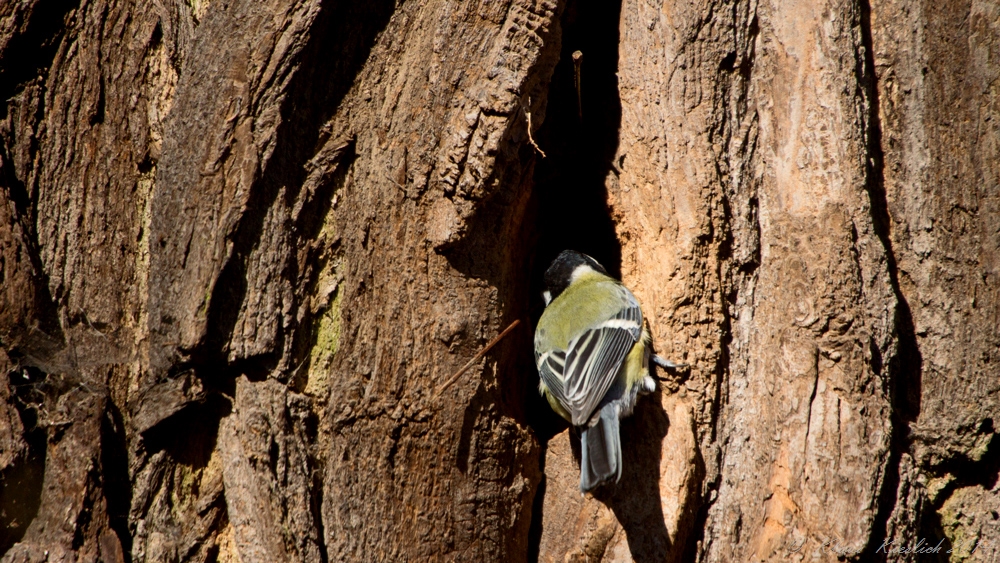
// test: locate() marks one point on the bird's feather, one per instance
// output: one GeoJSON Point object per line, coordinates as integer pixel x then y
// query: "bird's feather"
{"type": "Point", "coordinates": [581, 376]}
{"type": "Point", "coordinates": [594, 359]}
{"type": "Point", "coordinates": [601, 450]}
{"type": "Point", "coordinates": [550, 368]}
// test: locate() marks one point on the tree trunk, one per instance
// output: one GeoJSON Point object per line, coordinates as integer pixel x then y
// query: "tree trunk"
{"type": "Point", "coordinates": [244, 245]}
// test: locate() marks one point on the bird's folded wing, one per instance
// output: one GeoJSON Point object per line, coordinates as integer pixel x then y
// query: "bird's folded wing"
{"type": "Point", "coordinates": [550, 369]}
{"type": "Point", "coordinates": [594, 359]}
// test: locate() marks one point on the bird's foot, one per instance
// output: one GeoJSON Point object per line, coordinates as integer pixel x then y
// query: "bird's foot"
{"type": "Point", "coordinates": [667, 364]}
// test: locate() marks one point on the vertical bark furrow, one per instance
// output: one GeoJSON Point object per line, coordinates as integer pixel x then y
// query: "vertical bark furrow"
{"type": "Point", "coordinates": [29, 37]}
{"type": "Point", "coordinates": [664, 205]}
{"type": "Point", "coordinates": [903, 366]}
{"type": "Point", "coordinates": [937, 106]}
{"type": "Point", "coordinates": [735, 144]}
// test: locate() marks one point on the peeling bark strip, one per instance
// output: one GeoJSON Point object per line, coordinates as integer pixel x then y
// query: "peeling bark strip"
{"type": "Point", "coordinates": [242, 244]}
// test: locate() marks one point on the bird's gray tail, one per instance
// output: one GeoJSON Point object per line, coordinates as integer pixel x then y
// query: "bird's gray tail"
{"type": "Point", "coordinates": [601, 450]}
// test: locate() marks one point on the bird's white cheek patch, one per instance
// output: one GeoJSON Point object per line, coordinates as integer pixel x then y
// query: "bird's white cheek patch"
{"type": "Point", "coordinates": [579, 271]}
{"type": "Point", "coordinates": [547, 296]}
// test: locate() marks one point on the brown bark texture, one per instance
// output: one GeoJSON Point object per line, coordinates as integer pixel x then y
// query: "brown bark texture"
{"type": "Point", "coordinates": [244, 243]}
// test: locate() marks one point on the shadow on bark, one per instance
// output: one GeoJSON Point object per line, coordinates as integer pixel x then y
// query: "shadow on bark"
{"type": "Point", "coordinates": [904, 369]}
{"type": "Point", "coordinates": [984, 472]}
{"type": "Point", "coordinates": [190, 434]}
{"type": "Point", "coordinates": [538, 507]}
{"type": "Point", "coordinates": [635, 500]}
{"type": "Point", "coordinates": [30, 53]}
{"type": "Point", "coordinates": [314, 94]}
{"type": "Point", "coordinates": [21, 483]}
{"type": "Point", "coordinates": [114, 466]}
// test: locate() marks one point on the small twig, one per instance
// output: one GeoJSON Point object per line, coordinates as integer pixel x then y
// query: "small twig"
{"type": "Point", "coordinates": [527, 113]}
{"type": "Point", "coordinates": [398, 185]}
{"type": "Point", "coordinates": [577, 62]}
{"type": "Point", "coordinates": [477, 357]}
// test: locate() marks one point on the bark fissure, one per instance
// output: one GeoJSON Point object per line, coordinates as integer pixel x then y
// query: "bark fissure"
{"type": "Point", "coordinates": [21, 484]}
{"type": "Point", "coordinates": [27, 51]}
{"type": "Point", "coordinates": [903, 369]}
{"type": "Point", "coordinates": [739, 249]}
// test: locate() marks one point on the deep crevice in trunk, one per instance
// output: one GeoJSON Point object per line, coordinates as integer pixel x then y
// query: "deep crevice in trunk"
{"type": "Point", "coordinates": [117, 486]}
{"type": "Point", "coordinates": [580, 137]}
{"type": "Point", "coordinates": [570, 182]}
{"type": "Point", "coordinates": [21, 483]}
{"type": "Point", "coordinates": [27, 54]}
{"type": "Point", "coordinates": [569, 194]}
{"type": "Point", "coordinates": [904, 368]}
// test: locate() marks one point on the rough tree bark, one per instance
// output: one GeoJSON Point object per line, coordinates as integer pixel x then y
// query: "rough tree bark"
{"type": "Point", "coordinates": [243, 244]}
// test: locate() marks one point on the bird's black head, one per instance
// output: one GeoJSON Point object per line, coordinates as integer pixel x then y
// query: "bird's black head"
{"type": "Point", "coordinates": [560, 272]}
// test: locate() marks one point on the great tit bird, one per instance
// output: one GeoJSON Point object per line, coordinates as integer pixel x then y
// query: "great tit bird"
{"type": "Point", "coordinates": [592, 351]}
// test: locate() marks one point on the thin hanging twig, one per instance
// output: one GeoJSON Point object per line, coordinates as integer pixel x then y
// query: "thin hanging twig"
{"type": "Point", "coordinates": [577, 62]}
{"type": "Point", "coordinates": [527, 113]}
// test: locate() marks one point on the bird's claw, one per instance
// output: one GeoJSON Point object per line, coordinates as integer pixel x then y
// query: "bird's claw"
{"type": "Point", "coordinates": [667, 364]}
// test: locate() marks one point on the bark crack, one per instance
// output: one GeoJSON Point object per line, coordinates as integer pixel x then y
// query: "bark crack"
{"type": "Point", "coordinates": [904, 367]}
{"type": "Point", "coordinates": [30, 52]}
{"type": "Point", "coordinates": [812, 400]}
